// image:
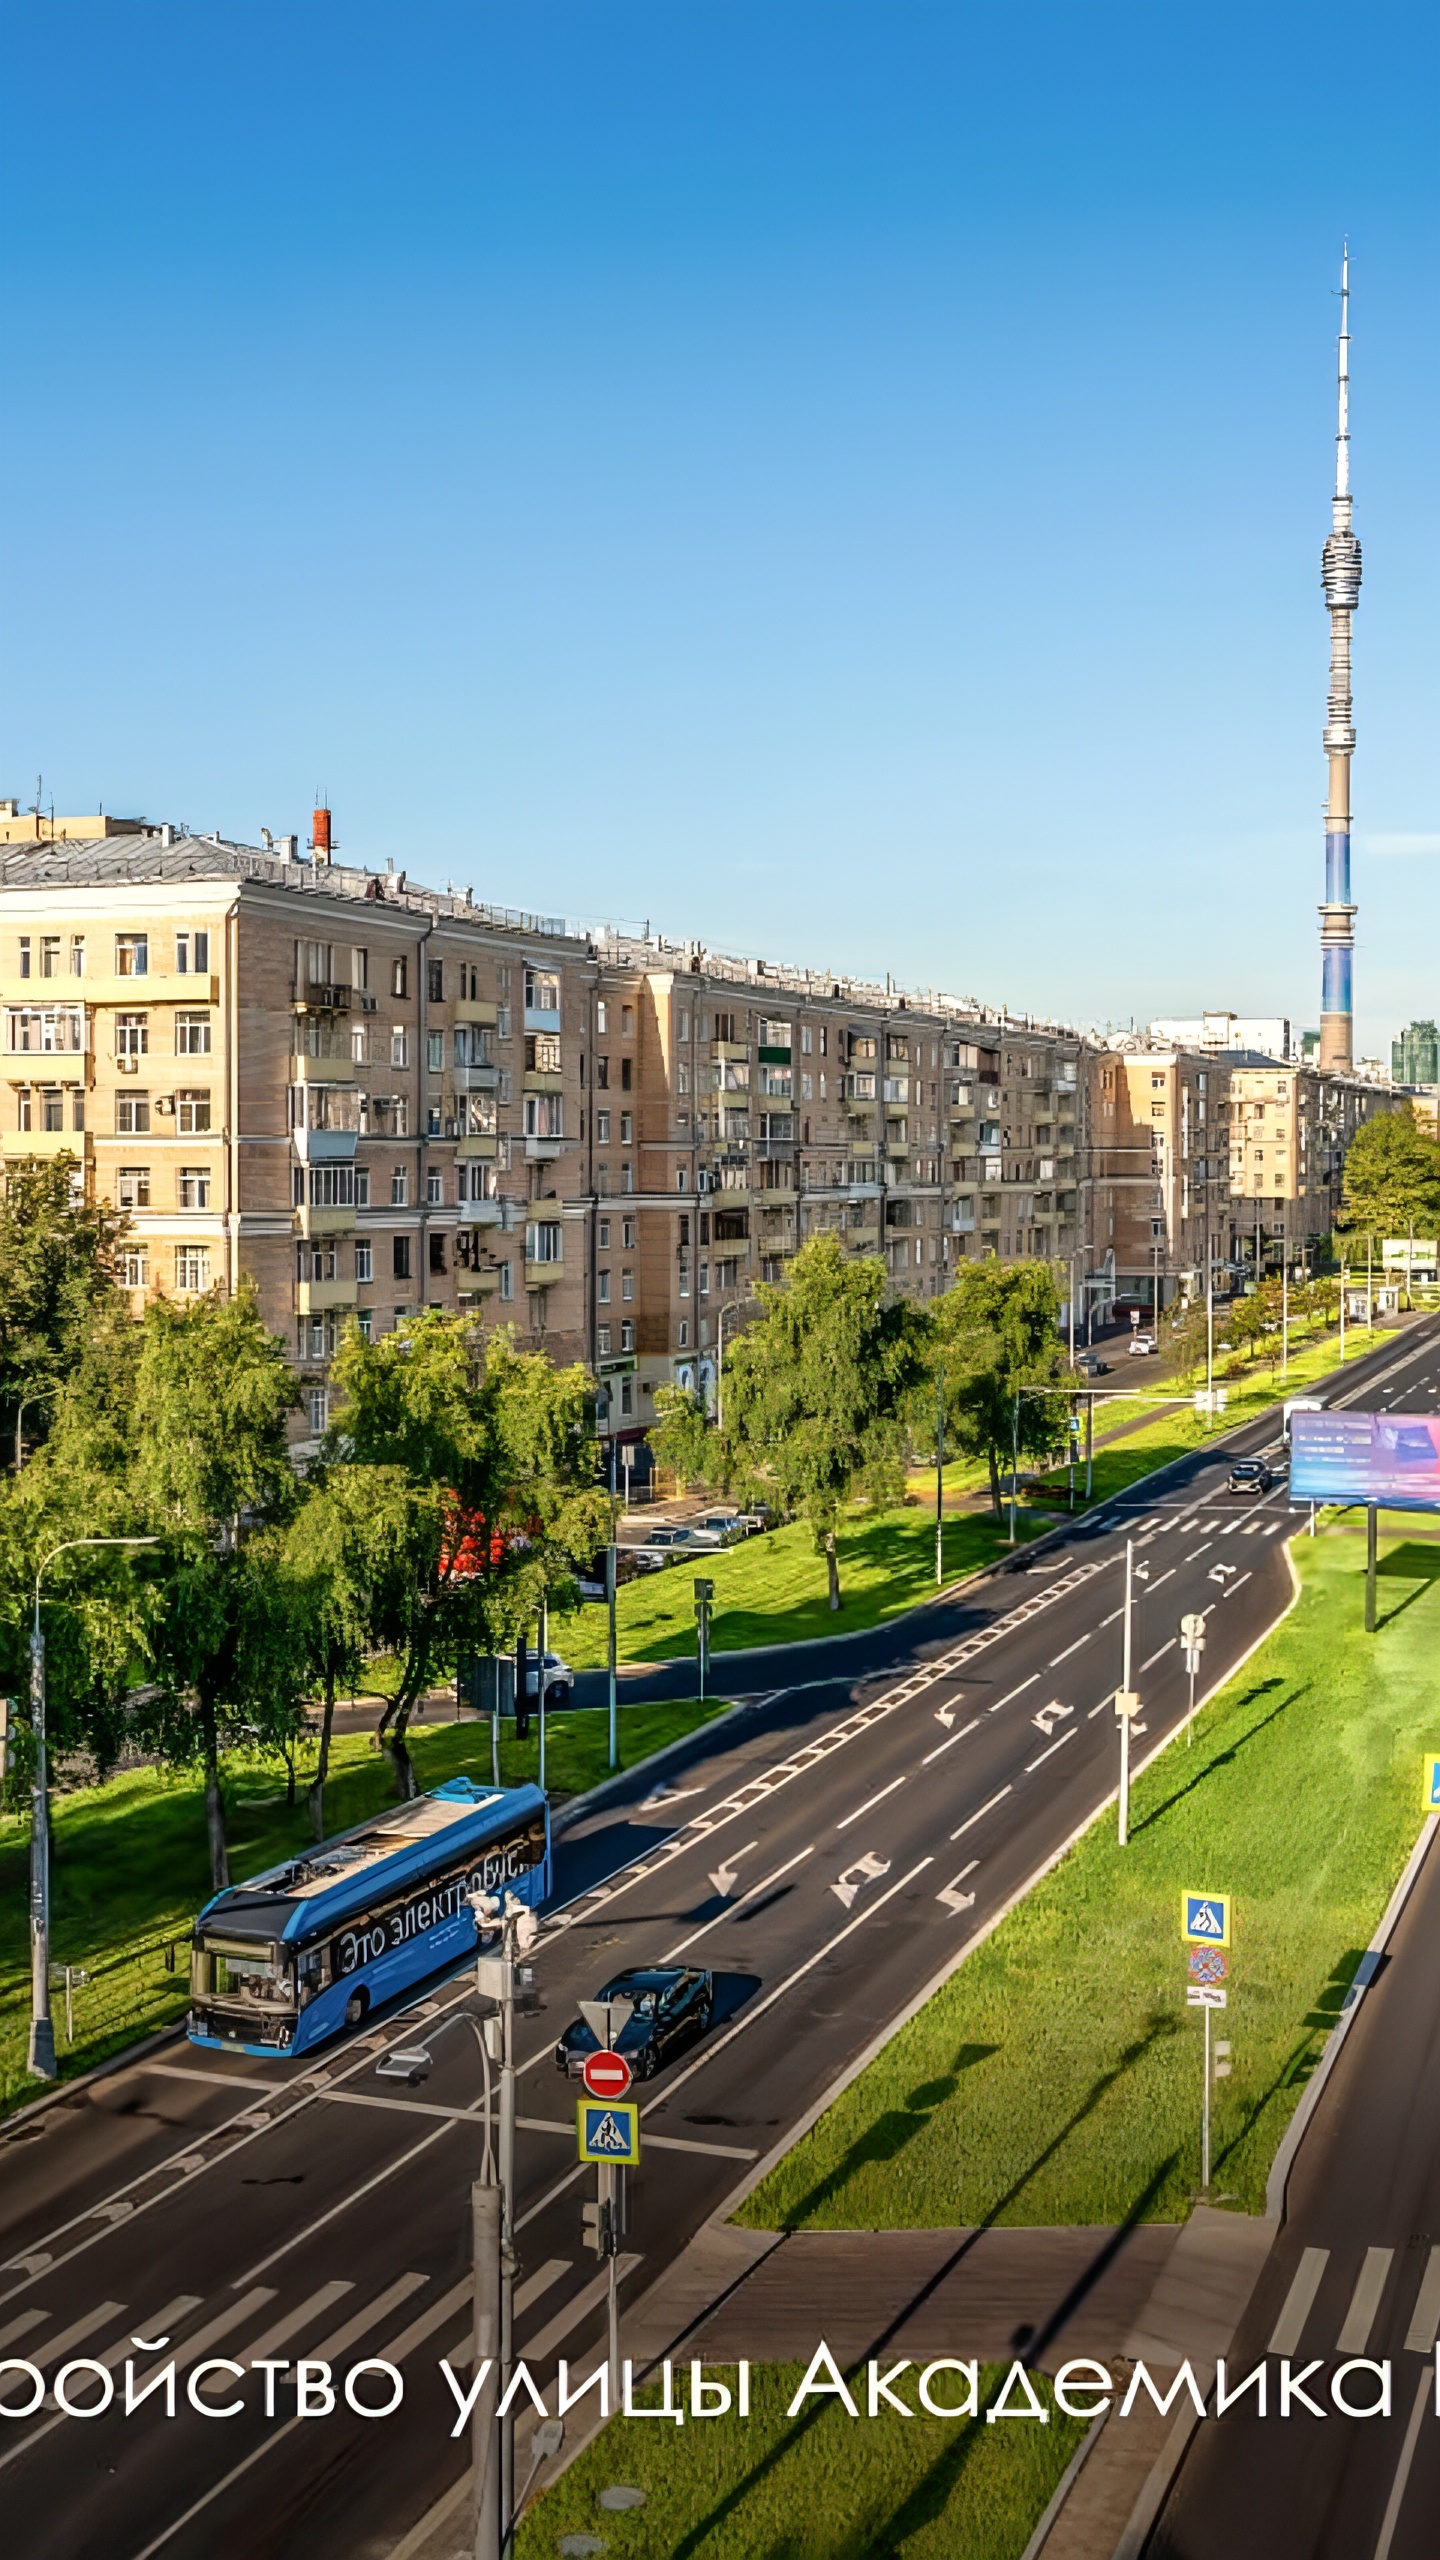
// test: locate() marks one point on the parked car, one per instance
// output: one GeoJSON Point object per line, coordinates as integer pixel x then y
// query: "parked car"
{"type": "Point", "coordinates": [673, 2006]}
{"type": "Point", "coordinates": [761, 1517]}
{"type": "Point", "coordinates": [670, 1534]}
{"type": "Point", "coordinates": [1249, 1475]}
{"type": "Point", "coordinates": [1141, 1343]}
{"type": "Point", "coordinates": [719, 1529]}
{"type": "Point", "coordinates": [559, 1680]}
{"type": "Point", "coordinates": [1090, 1365]}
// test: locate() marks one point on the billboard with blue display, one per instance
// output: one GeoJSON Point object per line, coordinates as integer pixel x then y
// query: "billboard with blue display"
{"type": "Point", "coordinates": [1389, 1458]}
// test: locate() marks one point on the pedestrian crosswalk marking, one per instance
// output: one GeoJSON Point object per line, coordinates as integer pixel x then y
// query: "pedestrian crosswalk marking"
{"type": "Point", "coordinates": [1295, 2310]}
{"type": "Point", "coordinates": [1425, 2319]}
{"type": "Point", "coordinates": [1354, 2337]}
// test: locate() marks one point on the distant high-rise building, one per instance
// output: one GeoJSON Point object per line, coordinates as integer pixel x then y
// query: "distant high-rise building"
{"type": "Point", "coordinates": [1340, 574]}
{"type": "Point", "coordinates": [1415, 1056]}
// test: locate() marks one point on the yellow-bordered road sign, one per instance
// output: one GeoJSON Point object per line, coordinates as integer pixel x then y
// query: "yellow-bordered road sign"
{"type": "Point", "coordinates": [608, 2130]}
{"type": "Point", "coordinates": [1205, 1919]}
{"type": "Point", "coordinates": [1430, 1785]}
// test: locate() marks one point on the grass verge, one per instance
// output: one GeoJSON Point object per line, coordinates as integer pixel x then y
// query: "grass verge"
{"type": "Point", "coordinates": [129, 1868]}
{"type": "Point", "coordinates": [819, 2486]}
{"type": "Point", "coordinates": [772, 1590]}
{"type": "Point", "coordinates": [1056, 2078]}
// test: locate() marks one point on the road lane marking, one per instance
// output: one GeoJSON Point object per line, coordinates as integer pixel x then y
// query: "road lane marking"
{"type": "Point", "coordinates": [758, 2008]}
{"type": "Point", "coordinates": [294, 2321]}
{"type": "Point", "coordinates": [950, 1894]}
{"type": "Point", "coordinates": [59, 2348]}
{"type": "Point", "coordinates": [179, 2309]}
{"type": "Point", "coordinates": [1295, 2309]}
{"type": "Point", "coordinates": [1364, 2302]}
{"type": "Point", "coordinates": [847, 1818]}
{"type": "Point", "coordinates": [1391, 2517]}
{"type": "Point", "coordinates": [402, 2162]}
{"type": "Point", "coordinates": [1015, 1693]}
{"type": "Point", "coordinates": [1425, 2319]}
{"type": "Point", "coordinates": [1032, 1765]}
{"type": "Point", "coordinates": [1238, 1585]}
{"type": "Point", "coordinates": [972, 1819]}
{"type": "Point", "coordinates": [1057, 1659]}
{"type": "Point", "coordinates": [762, 1887]}
{"type": "Point", "coordinates": [1160, 1656]}
{"type": "Point", "coordinates": [946, 1746]}
{"type": "Point", "coordinates": [579, 2306]}
{"type": "Point", "coordinates": [867, 1869]}
{"type": "Point", "coordinates": [27, 2320]}
{"type": "Point", "coordinates": [1162, 1577]}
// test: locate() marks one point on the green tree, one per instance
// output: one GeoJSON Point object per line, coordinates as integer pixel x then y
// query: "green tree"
{"type": "Point", "coordinates": [994, 1342]}
{"type": "Point", "coordinates": [1391, 1181]}
{"type": "Point", "coordinates": [210, 1469]}
{"type": "Point", "coordinates": [817, 1391]}
{"type": "Point", "coordinates": [343, 1569]}
{"type": "Point", "coordinates": [683, 1439]}
{"type": "Point", "coordinates": [494, 1498]}
{"type": "Point", "coordinates": [57, 1257]}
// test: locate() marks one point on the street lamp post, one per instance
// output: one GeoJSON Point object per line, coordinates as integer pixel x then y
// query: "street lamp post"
{"type": "Point", "coordinates": [611, 1654]}
{"type": "Point", "coordinates": [940, 1482]}
{"type": "Point", "coordinates": [41, 2058]}
{"type": "Point", "coordinates": [37, 1395]}
{"type": "Point", "coordinates": [1126, 1701]}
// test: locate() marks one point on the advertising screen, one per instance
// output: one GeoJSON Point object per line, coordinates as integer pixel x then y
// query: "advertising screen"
{"type": "Point", "coordinates": [1392, 1458]}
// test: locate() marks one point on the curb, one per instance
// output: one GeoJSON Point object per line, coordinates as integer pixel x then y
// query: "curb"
{"type": "Point", "coordinates": [1064, 2485]}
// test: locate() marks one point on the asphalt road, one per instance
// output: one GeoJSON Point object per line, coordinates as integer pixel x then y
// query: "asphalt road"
{"type": "Point", "coordinates": [828, 1854]}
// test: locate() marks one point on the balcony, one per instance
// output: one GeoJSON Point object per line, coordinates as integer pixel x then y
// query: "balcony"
{"type": "Point", "coordinates": [317, 995]}
{"type": "Point", "coordinates": [18, 1143]}
{"type": "Point", "coordinates": [543, 1150]}
{"type": "Point", "coordinates": [728, 1053]}
{"type": "Point", "coordinates": [543, 1275]}
{"type": "Point", "coordinates": [324, 1146]}
{"type": "Point", "coordinates": [540, 1080]}
{"type": "Point", "coordinates": [313, 1297]}
{"type": "Point", "coordinates": [308, 1221]}
{"type": "Point", "coordinates": [478, 1284]}
{"type": "Point", "coordinates": [199, 988]}
{"type": "Point", "coordinates": [475, 1079]}
{"type": "Point", "coordinates": [468, 1009]}
{"type": "Point", "coordinates": [307, 1070]}
{"type": "Point", "coordinates": [467, 1150]}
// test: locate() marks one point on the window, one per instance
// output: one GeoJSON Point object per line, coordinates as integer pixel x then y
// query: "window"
{"type": "Point", "coordinates": [682, 1026]}
{"type": "Point", "coordinates": [542, 1241]}
{"type": "Point", "coordinates": [132, 1115]}
{"type": "Point", "coordinates": [807, 1088]}
{"type": "Point", "coordinates": [627, 1285]}
{"type": "Point", "coordinates": [542, 991]}
{"type": "Point", "coordinates": [400, 1257]}
{"type": "Point", "coordinates": [502, 1025]}
{"type": "Point", "coordinates": [602, 1075]}
{"type": "Point", "coordinates": [318, 1401]}
{"type": "Point", "coordinates": [192, 953]}
{"type": "Point", "coordinates": [602, 1128]}
{"type": "Point", "coordinates": [24, 955]}
{"type": "Point", "coordinates": [359, 969]}
{"type": "Point", "coordinates": [627, 1128]}
{"type": "Point", "coordinates": [132, 956]}
{"type": "Point", "coordinates": [53, 1101]}
{"type": "Point", "coordinates": [434, 1052]}
{"type": "Point", "coordinates": [50, 955]}
{"type": "Point", "coordinates": [682, 1077]}
{"type": "Point", "coordinates": [400, 977]}
{"type": "Point", "coordinates": [543, 1115]}
{"type": "Point", "coordinates": [399, 1046]}
{"type": "Point", "coordinates": [133, 1186]}
{"type": "Point", "coordinates": [507, 1280]}
{"type": "Point", "coordinates": [435, 981]}
{"type": "Point", "coordinates": [399, 1188]}
{"type": "Point", "coordinates": [192, 1266]}
{"type": "Point", "coordinates": [600, 1014]}
{"type": "Point", "coordinates": [132, 1266]}
{"type": "Point", "coordinates": [1157, 1084]}
{"type": "Point", "coordinates": [192, 1035]}
{"type": "Point", "coordinates": [627, 1022]}
{"type": "Point", "coordinates": [684, 1333]}
{"type": "Point", "coordinates": [77, 955]}
{"type": "Point", "coordinates": [364, 1318]}
{"type": "Point", "coordinates": [602, 1287]}
{"type": "Point", "coordinates": [364, 1262]}
{"type": "Point", "coordinates": [627, 1177]}
{"type": "Point", "coordinates": [627, 1067]}
{"type": "Point", "coordinates": [684, 1277]}
{"type": "Point", "coordinates": [362, 1182]}
{"type": "Point", "coordinates": [434, 1190]}
{"type": "Point", "coordinates": [704, 1279]}
{"type": "Point", "coordinates": [682, 1177]}
{"type": "Point", "coordinates": [627, 1233]}
{"type": "Point", "coordinates": [627, 1335]}
{"type": "Point", "coordinates": [437, 1255]}
{"type": "Point", "coordinates": [194, 1186]}
{"type": "Point", "coordinates": [192, 1110]}
{"type": "Point", "coordinates": [132, 1035]}
{"type": "Point", "coordinates": [602, 1341]}
{"type": "Point", "coordinates": [805, 1038]}
{"type": "Point", "coordinates": [543, 1053]}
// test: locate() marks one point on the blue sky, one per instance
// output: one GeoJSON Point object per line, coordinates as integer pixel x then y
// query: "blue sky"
{"type": "Point", "coordinates": [839, 481]}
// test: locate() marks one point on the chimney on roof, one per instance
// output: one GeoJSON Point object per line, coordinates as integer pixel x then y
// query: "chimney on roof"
{"type": "Point", "coordinates": [320, 843]}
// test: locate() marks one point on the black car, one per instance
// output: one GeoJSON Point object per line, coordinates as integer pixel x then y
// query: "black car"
{"type": "Point", "coordinates": [1250, 1475]}
{"type": "Point", "coordinates": [672, 2007]}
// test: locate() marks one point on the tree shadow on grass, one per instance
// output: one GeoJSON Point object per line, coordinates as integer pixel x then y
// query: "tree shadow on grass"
{"type": "Point", "coordinates": [1410, 1563]}
{"type": "Point", "coordinates": [888, 2136]}
{"type": "Point", "coordinates": [1225, 1759]}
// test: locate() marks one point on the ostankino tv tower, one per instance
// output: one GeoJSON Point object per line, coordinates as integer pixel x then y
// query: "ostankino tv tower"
{"type": "Point", "coordinates": [1340, 574]}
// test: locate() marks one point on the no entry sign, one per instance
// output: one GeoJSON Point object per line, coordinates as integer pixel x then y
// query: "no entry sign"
{"type": "Point", "coordinates": [606, 2075]}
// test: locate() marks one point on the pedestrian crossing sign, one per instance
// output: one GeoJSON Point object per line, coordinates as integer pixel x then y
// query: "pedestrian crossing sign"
{"type": "Point", "coordinates": [1205, 1919]}
{"type": "Point", "coordinates": [608, 2131]}
{"type": "Point", "coordinates": [1430, 1790]}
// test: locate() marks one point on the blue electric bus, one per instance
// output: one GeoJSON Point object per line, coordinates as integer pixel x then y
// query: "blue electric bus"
{"type": "Point", "coordinates": [288, 1958]}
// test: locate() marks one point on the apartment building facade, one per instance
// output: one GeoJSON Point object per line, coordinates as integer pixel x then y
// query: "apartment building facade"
{"type": "Point", "coordinates": [371, 1098]}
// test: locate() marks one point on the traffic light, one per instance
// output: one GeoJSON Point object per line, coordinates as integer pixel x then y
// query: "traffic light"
{"type": "Point", "coordinates": [596, 2228]}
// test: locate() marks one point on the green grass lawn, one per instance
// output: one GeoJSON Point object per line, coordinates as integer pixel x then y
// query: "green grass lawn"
{"type": "Point", "coordinates": [129, 1861]}
{"type": "Point", "coordinates": [820, 2486]}
{"type": "Point", "coordinates": [772, 1590]}
{"type": "Point", "coordinates": [1057, 2076]}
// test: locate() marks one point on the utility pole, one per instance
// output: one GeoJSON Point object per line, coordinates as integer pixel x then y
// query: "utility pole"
{"type": "Point", "coordinates": [611, 1654]}
{"type": "Point", "coordinates": [1126, 1702]}
{"type": "Point", "coordinates": [1014, 1462]}
{"type": "Point", "coordinates": [485, 2513]}
{"type": "Point", "coordinates": [496, 1978]}
{"type": "Point", "coordinates": [940, 1483]}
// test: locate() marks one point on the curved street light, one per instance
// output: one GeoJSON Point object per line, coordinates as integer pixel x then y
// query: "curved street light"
{"type": "Point", "coordinates": [41, 2058]}
{"type": "Point", "coordinates": [37, 1395]}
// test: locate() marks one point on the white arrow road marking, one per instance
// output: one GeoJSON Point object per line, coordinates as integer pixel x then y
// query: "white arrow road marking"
{"type": "Point", "coordinates": [947, 1715]}
{"type": "Point", "coordinates": [866, 1870]}
{"type": "Point", "coordinates": [667, 1795]}
{"type": "Point", "coordinates": [949, 1894]}
{"type": "Point", "coordinates": [1050, 1716]}
{"type": "Point", "coordinates": [1222, 1572]}
{"type": "Point", "coordinates": [723, 1876]}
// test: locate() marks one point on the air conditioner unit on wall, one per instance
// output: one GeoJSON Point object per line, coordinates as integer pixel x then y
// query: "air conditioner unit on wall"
{"type": "Point", "coordinates": [127, 1066]}
{"type": "Point", "coordinates": [164, 1103]}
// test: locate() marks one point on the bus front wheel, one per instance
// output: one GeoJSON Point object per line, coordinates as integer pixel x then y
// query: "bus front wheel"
{"type": "Point", "coordinates": [355, 2007]}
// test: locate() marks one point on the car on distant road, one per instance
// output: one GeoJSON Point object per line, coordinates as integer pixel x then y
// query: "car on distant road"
{"type": "Point", "coordinates": [671, 2006]}
{"type": "Point", "coordinates": [1249, 1475]}
{"type": "Point", "coordinates": [1141, 1343]}
{"type": "Point", "coordinates": [719, 1529]}
{"type": "Point", "coordinates": [1090, 1365]}
{"type": "Point", "coordinates": [559, 1680]}
{"type": "Point", "coordinates": [670, 1534]}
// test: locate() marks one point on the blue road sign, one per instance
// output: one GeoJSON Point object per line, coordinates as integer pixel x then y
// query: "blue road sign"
{"type": "Point", "coordinates": [608, 2130]}
{"type": "Point", "coordinates": [1205, 1919]}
